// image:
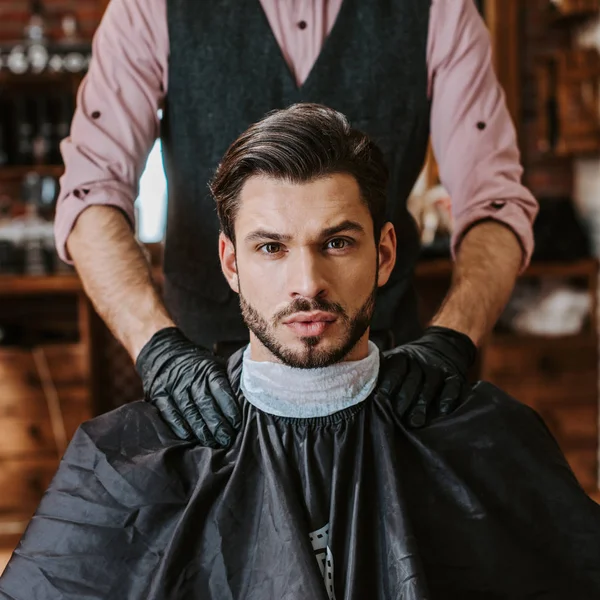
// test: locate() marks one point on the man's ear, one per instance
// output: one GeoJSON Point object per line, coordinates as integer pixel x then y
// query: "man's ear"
{"type": "Point", "coordinates": [228, 263]}
{"type": "Point", "coordinates": [387, 253]}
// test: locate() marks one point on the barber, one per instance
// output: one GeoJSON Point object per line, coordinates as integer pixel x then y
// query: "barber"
{"type": "Point", "coordinates": [399, 69]}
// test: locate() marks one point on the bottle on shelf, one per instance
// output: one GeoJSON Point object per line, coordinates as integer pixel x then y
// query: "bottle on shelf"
{"type": "Point", "coordinates": [36, 229]}
{"type": "Point", "coordinates": [3, 146]}
{"type": "Point", "coordinates": [42, 142]}
{"type": "Point", "coordinates": [24, 130]}
{"type": "Point", "coordinates": [75, 62]}
{"type": "Point", "coordinates": [62, 124]}
{"type": "Point", "coordinates": [4, 141]}
{"type": "Point", "coordinates": [37, 57]}
{"type": "Point", "coordinates": [35, 30]}
{"type": "Point", "coordinates": [35, 38]}
{"type": "Point", "coordinates": [16, 61]}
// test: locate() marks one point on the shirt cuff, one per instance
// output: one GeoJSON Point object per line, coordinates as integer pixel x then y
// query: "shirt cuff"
{"type": "Point", "coordinates": [509, 212]}
{"type": "Point", "coordinates": [73, 204]}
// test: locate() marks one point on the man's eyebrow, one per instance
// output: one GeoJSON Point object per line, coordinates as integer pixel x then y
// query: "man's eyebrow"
{"type": "Point", "coordinates": [264, 234]}
{"type": "Point", "coordinates": [343, 226]}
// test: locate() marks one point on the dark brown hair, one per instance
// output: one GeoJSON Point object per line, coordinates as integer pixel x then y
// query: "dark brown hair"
{"type": "Point", "coordinates": [300, 144]}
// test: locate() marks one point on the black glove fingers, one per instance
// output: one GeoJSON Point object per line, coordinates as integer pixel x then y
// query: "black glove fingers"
{"type": "Point", "coordinates": [221, 391]}
{"type": "Point", "coordinates": [191, 413]}
{"type": "Point", "coordinates": [408, 392]}
{"type": "Point", "coordinates": [207, 408]}
{"type": "Point", "coordinates": [221, 431]}
{"type": "Point", "coordinates": [171, 415]}
{"type": "Point", "coordinates": [451, 395]}
{"type": "Point", "coordinates": [396, 367]}
{"type": "Point", "coordinates": [433, 382]}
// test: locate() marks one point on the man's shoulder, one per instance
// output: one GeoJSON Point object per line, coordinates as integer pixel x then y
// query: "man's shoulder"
{"type": "Point", "coordinates": [489, 421]}
{"type": "Point", "coordinates": [121, 455]}
{"type": "Point", "coordinates": [500, 402]}
{"type": "Point", "coordinates": [130, 429]}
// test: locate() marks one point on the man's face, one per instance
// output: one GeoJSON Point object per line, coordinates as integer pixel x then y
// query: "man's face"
{"type": "Point", "coordinates": [306, 267]}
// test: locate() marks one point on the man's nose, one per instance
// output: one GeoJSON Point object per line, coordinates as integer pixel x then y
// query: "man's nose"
{"type": "Point", "coordinates": [307, 277]}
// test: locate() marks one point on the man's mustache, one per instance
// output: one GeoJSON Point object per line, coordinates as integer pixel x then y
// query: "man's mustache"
{"type": "Point", "coordinates": [306, 305]}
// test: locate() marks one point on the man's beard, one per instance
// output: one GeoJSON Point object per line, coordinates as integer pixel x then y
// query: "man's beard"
{"type": "Point", "coordinates": [311, 357]}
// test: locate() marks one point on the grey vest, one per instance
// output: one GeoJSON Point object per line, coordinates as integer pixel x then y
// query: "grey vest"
{"type": "Point", "coordinates": [226, 71]}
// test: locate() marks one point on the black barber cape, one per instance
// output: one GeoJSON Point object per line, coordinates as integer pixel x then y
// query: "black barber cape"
{"type": "Point", "coordinates": [477, 505]}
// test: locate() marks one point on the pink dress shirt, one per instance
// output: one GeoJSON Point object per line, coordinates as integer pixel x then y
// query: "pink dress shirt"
{"type": "Point", "coordinates": [116, 122]}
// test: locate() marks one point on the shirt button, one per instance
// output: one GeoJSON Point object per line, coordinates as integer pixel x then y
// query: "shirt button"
{"type": "Point", "coordinates": [498, 204]}
{"type": "Point", "coordinates": [302, 25]}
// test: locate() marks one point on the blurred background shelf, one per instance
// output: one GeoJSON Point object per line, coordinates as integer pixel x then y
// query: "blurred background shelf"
{"type": "Point", "coordinates": [586, 267]}
{"type": "Point", "coordinates": [22, 285]}
{"type": "Point", "coordinates": [19, 172]}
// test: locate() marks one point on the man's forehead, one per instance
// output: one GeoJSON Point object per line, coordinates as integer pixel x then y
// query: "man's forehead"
{"type": "Point", "coordinates": [316, 205]}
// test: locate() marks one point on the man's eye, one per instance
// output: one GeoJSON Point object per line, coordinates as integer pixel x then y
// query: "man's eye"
{"type": "Point", "coordinates": [271, 248]}
{"type": "Point", "coordinates": [338, 244]}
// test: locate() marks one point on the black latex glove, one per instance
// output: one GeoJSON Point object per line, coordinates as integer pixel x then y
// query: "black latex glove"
{"type": "Point", "coordinates": [189, 386]}
{"type": "Point", "coordinates": [432, 374]}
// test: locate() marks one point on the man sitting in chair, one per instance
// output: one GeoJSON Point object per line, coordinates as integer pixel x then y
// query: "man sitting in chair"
{"type": "Point", "coordinates": [324, 494]}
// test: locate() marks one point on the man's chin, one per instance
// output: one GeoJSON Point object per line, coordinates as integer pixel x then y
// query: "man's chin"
{"type": "Point", "coordinates": [312, 352]}
{"type": "Point", "coordinates": [307, 343]}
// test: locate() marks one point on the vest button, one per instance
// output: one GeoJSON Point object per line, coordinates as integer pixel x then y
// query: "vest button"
{"type": "Point", "coordinates": [302, 25]}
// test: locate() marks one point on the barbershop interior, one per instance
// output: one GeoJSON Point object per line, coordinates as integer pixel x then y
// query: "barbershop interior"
{"type": "Point", "coordinates": [60, 362]}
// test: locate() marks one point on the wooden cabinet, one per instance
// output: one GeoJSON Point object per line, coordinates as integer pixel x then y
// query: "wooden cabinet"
{"type": "Point", "coordinates": [44, 396]}
{"type": "Point", "coordinates": [547, 367]}
{"type": "Point", "coordinates": [23, 480]}
{"type": "Point", "coordinates": [559, 379]}
{"type": "Point", "coordinates": [567, 108]}
{"type": "Point", "coordinates": [45, 389]}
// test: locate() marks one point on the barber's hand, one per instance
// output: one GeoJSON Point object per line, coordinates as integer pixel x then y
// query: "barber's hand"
{"type": "Point", "coordinates": [434, 374]}
{"type": "Point", "coordinates": [189, 386]}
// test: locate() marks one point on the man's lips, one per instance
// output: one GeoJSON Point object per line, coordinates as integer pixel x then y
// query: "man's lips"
{"type": "Point", "coordinates": [310, 323]}
{"type": "Point", "coordinates": [317, 316]}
